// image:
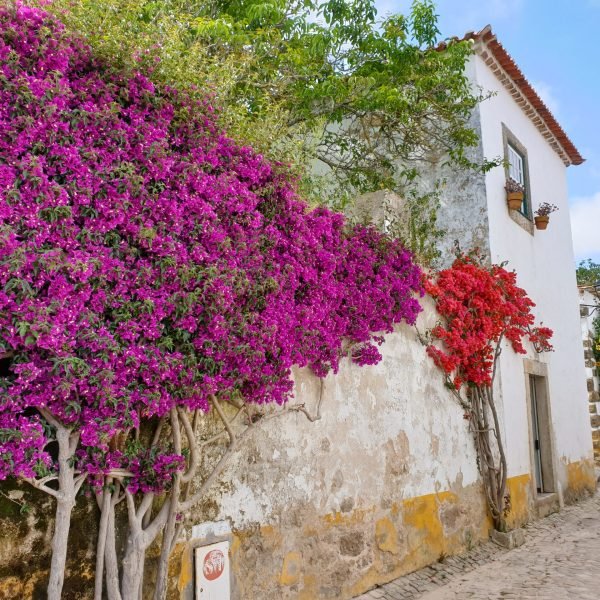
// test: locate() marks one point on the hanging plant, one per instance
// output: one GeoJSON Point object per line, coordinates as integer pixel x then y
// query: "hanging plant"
{"type": "Point", "coordinates": [515, 193]}
{"type": "Point", "coordinates": [542, 215]}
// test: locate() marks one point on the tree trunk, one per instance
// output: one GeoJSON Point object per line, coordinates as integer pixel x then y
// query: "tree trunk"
{"type": "Point", "coordinates": [65, 502]}
{"type": "Point", "coordinates": [62, 524]}
{"type": "Point", "coordinates": [112, 567]}
{"type": "Point", "coordinates": [104, 504]}
{"type": "Point", "coordinates": [133, 568]}
{"type": "Point", "coordinates": [160, 591]}
{"type": "Point", "coordinates": [502, 469]}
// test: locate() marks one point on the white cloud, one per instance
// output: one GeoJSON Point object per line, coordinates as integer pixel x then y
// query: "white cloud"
{"type": "Point", "coordinates": [546, 93]}
{"type": "Point", "coordinates": [585, 222]}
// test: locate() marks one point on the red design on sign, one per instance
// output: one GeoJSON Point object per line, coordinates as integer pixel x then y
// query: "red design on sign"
{"type": "Point", "coordinates": [214, 564]}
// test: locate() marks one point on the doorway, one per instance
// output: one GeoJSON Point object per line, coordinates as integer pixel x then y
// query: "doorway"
{"type": "Point", "coordinates": [541, 438]}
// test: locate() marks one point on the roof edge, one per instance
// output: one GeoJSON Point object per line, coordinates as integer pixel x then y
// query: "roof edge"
{"type": "Point", "coordinates": [485, 39]}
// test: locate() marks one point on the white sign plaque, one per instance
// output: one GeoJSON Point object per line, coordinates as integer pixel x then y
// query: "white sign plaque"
{"type": "Point", "coordinates": [212, 572]}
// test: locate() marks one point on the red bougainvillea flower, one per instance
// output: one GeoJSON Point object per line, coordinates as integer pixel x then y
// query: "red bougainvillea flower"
{"type": "Point", "coordinates": [480, 306]}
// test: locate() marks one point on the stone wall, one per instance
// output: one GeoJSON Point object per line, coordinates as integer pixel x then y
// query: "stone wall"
{"type": "Point", "coordinates": [463, 212]}
{"type": "Point", "coordinates": [588, 314]}
{"type": "Point", "coordinates": [384, 483]}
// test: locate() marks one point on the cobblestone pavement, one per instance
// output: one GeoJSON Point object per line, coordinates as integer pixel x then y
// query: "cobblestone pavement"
{"type": "Point", "coordinates": [560, 560]}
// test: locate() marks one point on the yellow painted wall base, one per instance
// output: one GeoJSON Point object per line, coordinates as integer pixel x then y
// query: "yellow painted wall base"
{"type": "Point", "coordinates": [521, 501]}
{"type": "Point", "coordinates": [342, 555]}
{"type": "Point", "coordinates": [581, 479]}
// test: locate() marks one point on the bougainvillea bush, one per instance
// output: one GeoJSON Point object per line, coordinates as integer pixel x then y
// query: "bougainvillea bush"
{"type": "Point", "coordinates": [150, 267]}
{"type": "Point", "coordinates": [481, 307]}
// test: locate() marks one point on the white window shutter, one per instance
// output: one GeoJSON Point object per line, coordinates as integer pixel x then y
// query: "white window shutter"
{"type": "Point", "coordinates": [515, 169]}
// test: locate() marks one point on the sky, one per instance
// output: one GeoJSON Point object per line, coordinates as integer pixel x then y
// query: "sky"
{"type": "Point", "coordinates": [556, 43]}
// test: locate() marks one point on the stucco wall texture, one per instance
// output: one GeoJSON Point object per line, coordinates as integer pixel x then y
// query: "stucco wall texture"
{"type": "Point", "coordinates": [385, 483]}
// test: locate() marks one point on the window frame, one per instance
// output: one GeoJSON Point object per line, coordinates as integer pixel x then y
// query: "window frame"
{"type": "Point", "coordinates": [516, 165]}
{"type": "Point", "coordinates": [524, 216]}
{"type": "Point", "coordinates": [521, 171]}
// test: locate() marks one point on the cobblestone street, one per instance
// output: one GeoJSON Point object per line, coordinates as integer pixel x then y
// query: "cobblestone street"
{"type": "Point", "coordinates": [560, 560]}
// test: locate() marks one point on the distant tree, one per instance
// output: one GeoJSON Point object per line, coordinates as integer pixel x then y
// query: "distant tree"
{"type": "Point", "coordinates": [352, 102]}
{"type": "Point", "coordinates": [588, 272]}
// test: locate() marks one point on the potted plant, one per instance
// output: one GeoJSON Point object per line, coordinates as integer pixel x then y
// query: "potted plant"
{"type": "Point", "coordinates": [514, 194]}
{"type": "Point", "coordinates": [542, 214]}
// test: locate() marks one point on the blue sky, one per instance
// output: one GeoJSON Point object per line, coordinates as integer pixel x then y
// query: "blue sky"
{"type": "Point", "coordinates": [557, 45]}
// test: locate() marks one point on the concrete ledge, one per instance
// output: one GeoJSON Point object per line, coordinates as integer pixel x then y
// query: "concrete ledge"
{"type": "Point", "coordinates": [510, 539]}
{"type": "Point", "coordinates": [546, 504]}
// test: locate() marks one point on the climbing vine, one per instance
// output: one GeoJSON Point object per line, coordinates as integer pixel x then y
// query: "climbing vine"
{"type": "Point", "coordinates": [482, 310]}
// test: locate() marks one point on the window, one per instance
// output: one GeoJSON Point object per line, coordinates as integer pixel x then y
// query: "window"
{"type": "Point", "coordinates": [516, 171]}
{"type": "Point", "coordinates": [517, 168]}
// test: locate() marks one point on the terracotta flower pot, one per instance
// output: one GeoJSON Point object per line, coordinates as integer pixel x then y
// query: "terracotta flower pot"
{"type": "Point", "coordinates": [514, 200]}
{"type": "Point", "coordinates": [541, 222]}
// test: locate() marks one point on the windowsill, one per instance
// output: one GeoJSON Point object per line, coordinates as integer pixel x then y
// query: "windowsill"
{"type": "Point", "coordinates": [522, 221]}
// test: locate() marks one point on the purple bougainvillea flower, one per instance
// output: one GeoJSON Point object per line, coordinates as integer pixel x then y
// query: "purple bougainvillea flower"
{"type": "Point", "coordinates": [148, 261]}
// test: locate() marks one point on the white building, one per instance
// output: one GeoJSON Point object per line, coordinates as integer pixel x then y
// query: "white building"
{"type": "Point", "coordinates": [546, 417]}
{"type": "Point", "coordinates": [386, 481]}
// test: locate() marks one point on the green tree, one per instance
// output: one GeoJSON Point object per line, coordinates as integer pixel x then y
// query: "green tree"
{"type": "Point", "coordinates": [588, 272]}
{"type": "Point", "coordinates": [352, 102]}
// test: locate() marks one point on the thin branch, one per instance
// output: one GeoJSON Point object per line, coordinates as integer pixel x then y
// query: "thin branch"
{"type": "Point", "coordinates": [22, 505]}
{"type": "Point", "coordinates": [145, 505]}
{"type": "Point", "coordinates": [36, 484]}
{"type": "Point", "coordinates": [190, 502]}
{"type": "Point", "coordinates": [74, 442]}
{"type": "Point", "coordinates": [79, 481]}
{"type": "Point", "coordinates": [119, 473]}
{"type": "Point", "coordinates": [302, 407]}
{"type": "Point", "coordinates": [235, 402]}
{"type": "Point", "coordinates": [233, 446]}
{"type": "Point", "coordinates": [215, 437]}
{"type": "Point", "coordinates": [154, 527]}
{"type": "Point", "coordinates": [50, 418]}
{"type": "Point", "coordinates": [131, 511]}
{"type": "Point", "coordinates": [188, 484]}
{"type": "Point", "coordinates": [497, 353]}
{"type": "Point", "coordinates": [191, 440]}
{"type": "Point", "coordinates": [158, 431]}
{"type": "Point", "coordinates": [223, 418]}
{"type": "Point", "coordinates": [45, 480]}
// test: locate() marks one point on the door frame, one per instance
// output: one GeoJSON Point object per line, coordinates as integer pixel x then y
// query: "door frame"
{"type": "Point", "coordinates": [539, 370]}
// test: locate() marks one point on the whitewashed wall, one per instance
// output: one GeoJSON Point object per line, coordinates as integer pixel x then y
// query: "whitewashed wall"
{"type": "Point", "coordinates": [589, 313]}
{"type": "Point", "coordinates": [386, 482]}
{"type": "Point", "coordinates": [544, 262]}
{"type": "Point", "coordinates": [370, 414]}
